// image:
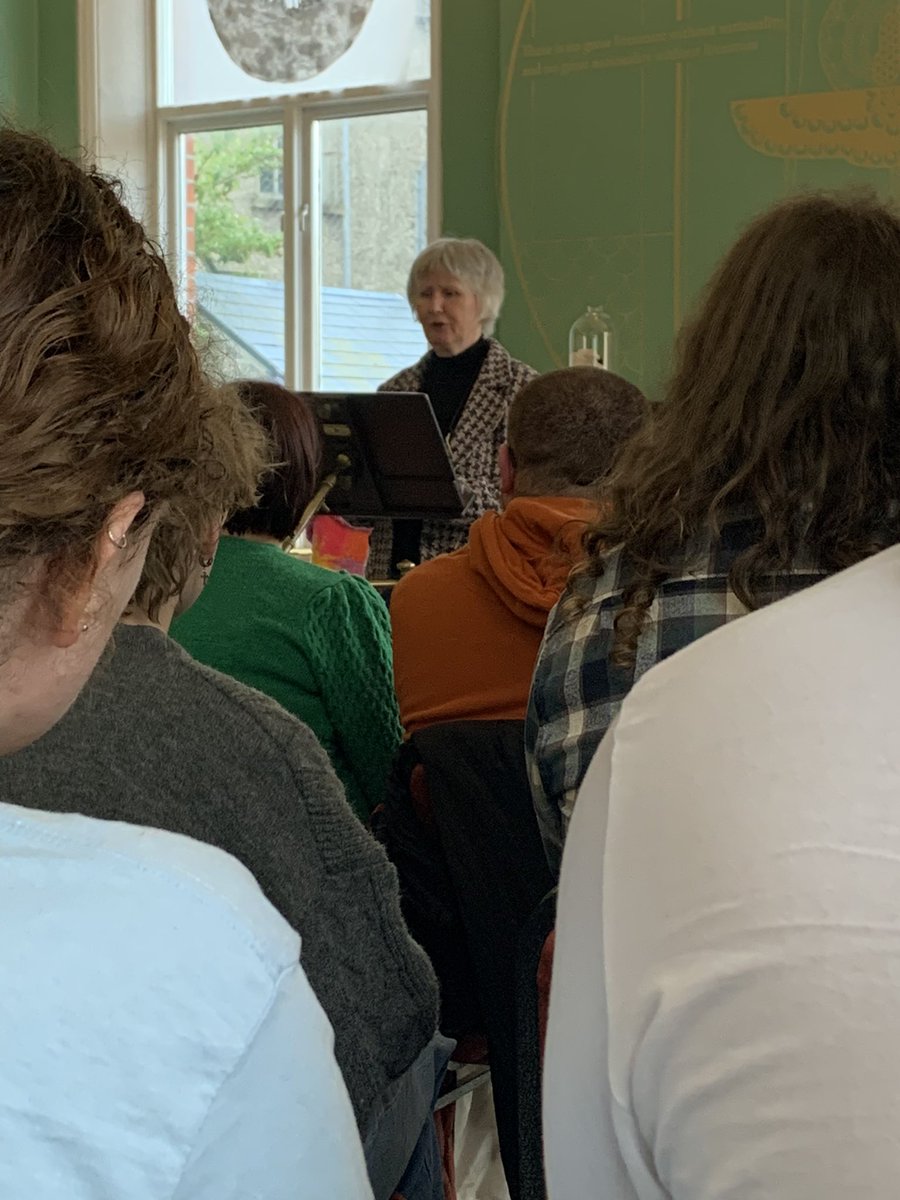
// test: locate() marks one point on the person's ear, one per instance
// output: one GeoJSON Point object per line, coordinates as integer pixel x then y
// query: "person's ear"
{"type": "Point", "coordinates": [109, 545]}
{"type": "Point", "coordinates": [507, 464]}
{"type": "Point", "coordinates": [210, 543]}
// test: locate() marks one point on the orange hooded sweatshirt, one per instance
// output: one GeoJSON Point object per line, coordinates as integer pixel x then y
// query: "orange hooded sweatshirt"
{"type": "Point", "coordinates": [467, 626]}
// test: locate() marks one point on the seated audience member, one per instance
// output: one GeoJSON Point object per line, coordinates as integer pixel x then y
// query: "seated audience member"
{"type": "Point", "coordinates": [184, 748]}
{"type": "Point", "coordinates": [765, 469]}
{"type": "Point", "coordinates": [724, 1018]}
{"type": "Point", "coordinates": [157, 1034]}
{"type": "Point", "coordinates": [317, 641]}
{"type": "Point", "coordinates": [467, 626]}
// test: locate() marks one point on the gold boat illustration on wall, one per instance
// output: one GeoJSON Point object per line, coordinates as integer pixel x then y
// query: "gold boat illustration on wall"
{"type": "Point", "coordinates": [859, 119]}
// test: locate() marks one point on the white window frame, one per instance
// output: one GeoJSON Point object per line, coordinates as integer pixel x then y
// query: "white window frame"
{"type": "Point", "coordinates": [121, 76]}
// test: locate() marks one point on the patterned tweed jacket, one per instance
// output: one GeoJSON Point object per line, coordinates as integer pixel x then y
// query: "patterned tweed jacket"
{"type": "Point", "coordinates": [473, 445]}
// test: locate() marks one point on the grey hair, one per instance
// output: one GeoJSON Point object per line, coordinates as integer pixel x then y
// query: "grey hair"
{"type": "Point", "coordinates": [472, 263]}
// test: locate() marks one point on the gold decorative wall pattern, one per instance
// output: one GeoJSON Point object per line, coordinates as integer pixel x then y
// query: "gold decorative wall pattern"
{"type": "Point", "coordinates": [637, 136]}
{"type": "Point", "coordinates": [858, 121]}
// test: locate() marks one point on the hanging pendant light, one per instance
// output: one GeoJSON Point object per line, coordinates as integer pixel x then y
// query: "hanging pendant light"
{"type": "Point", "coordinates": [287, 41]}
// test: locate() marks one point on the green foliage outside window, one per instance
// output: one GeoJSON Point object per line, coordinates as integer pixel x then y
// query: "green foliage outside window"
{"type": "Point", "coordinates": [222, 162]}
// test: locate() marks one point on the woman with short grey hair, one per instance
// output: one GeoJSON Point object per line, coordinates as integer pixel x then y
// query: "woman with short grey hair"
{"type": "Point", "coordinates": [470, 262]}
{"type": "Point", "coordinates": [455, 290]}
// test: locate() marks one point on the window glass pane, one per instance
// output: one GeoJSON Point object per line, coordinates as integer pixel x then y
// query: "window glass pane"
{"type": "Point", "coordinates": [371, 221]}
{"type": "Point", "coordinates": [241, 49]}
{"type": "Point", "coordinates": [234, 246]}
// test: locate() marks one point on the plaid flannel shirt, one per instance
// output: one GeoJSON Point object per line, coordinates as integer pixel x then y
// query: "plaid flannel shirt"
{"type": "Point", "coordinates": [576, 691]}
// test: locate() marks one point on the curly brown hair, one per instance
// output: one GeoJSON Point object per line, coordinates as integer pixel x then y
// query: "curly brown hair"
{"type": "Point", "coordinates": [237, 444]}
{"type": "Point", "coordinates": [785, 402]}
{"type": "Point", "coordinates": [101, 391]}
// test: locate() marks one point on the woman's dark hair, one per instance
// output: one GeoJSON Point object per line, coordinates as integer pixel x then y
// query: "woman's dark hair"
{"type": "Point", "coordinates": [291, 424]}
{"type": "Point", "coordinates": [785, 402]}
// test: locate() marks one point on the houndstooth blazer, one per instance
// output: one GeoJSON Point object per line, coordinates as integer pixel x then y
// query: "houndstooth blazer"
{"type": "Point", "coordinates": [473, 445]}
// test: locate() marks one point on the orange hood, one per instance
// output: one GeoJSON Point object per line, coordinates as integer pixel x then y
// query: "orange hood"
{"type": "Point", "coordinates": [526, 552]}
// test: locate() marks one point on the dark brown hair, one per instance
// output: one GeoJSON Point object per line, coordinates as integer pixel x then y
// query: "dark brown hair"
{"type": "Point", "coordinates": [101, 391]}
{"type": "Point", "coordinates": [291, 424]}
{"type": "Point", "coordinates": [565, 428]}
{"type": "Point", "coordinates": [785, 402]}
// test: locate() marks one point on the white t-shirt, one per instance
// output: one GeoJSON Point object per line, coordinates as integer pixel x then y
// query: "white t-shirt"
{"type": "Point", "coordinates": [725, 1014]}
{"type": "Point", "coordinates": [158, 1039]}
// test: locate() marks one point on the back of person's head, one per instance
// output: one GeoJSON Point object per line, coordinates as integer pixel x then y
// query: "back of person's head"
{"type": "Point", "coordinates": [101, 391]}
{"type": "Point", "coordinates": [565, 428]}
{"type": "Point", "coordinates": [784, 403]}
{"type": "Point", "coordinates": [102, 397]}
{"type": "Point", "coordinates": [291, 425]}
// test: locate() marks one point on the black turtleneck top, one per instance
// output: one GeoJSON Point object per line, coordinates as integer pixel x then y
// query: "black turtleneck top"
{"type": "Point", "coordinates": [448, 383]}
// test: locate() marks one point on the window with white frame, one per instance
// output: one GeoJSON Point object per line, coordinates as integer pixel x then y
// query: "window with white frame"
{"type": "Point", "coordinates": [294, 140]}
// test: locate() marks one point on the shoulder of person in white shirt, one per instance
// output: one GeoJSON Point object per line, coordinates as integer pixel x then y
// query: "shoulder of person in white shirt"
{"type": "Point", "coordinates": [724, 1017]}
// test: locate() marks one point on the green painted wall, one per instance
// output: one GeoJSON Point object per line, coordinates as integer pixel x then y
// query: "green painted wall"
{"type": "Point", "coordinates": [58, 71]}
{"type": "Point", "coordinates": [19, 61]}
{"type": "Point", "coordinates": [470, 91]}
{"type": "Point", "coordinates": [632, 138]}
{"type": "Point", "coordinates": [39, 67]}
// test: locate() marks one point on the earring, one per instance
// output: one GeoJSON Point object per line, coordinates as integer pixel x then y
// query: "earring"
{"type": "Point", "coordinates": [205, 568]}
{"type": "Point", "coordinates": [85, 627]}
{"type": "Point", "coordinates": [119, 542]}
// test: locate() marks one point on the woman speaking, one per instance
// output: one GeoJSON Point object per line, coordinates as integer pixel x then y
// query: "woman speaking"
{"type": "Point", "coordinates": [455, 289]}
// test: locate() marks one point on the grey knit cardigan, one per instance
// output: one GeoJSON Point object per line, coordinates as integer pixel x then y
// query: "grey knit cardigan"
{"type": "Point", "coordinates": [158, 739]}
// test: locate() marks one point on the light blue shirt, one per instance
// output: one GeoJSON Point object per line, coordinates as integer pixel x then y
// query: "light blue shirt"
{"type": "Point", "coordinates": [158, 1038]}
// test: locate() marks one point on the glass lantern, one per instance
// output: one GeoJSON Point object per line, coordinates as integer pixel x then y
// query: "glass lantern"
{"type": "Point", "coordinates": [590, 340]}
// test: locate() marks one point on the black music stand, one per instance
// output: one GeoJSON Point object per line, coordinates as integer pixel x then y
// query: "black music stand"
{"type": "Point", "coordinates": [383, 455]}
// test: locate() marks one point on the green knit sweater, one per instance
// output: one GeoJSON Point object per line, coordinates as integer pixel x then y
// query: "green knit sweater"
{"type": "Point", "coordinates": [317, 641]}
